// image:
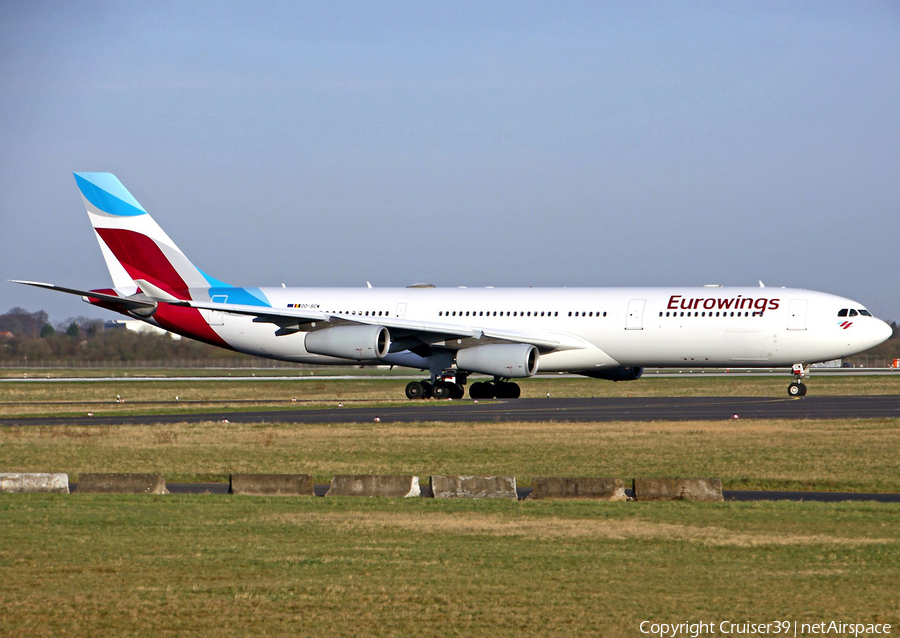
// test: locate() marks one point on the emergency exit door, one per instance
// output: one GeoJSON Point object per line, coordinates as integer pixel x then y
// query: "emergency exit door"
{"type": "Point", "coordinates": [635, 318]}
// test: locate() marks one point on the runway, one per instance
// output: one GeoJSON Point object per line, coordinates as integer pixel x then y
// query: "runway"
{"type": "Point", "coordinates": [530, 410]}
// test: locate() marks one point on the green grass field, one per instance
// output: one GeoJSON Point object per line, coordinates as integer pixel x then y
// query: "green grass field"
{"type": "Point", "coordinates": [207, 565]}
{"type": "Point", "coordinates": [834, 455]}
{"type": "Point", "coordinates": [121, 565]}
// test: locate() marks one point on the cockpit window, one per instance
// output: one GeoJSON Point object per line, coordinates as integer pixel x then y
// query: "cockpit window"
{"type": "Point", "coordinates": [842, 312]}
{"type": "Point", "coordinates": [853, 313]}
{"type": "Point", "coordinates": [864, 312]}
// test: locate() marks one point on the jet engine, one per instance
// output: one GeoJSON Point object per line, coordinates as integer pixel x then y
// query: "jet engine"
{"type": "Point", "coordinates": [500, 360]}
{"type": "Point", "coordinates": [622, 373]}
{"type": "Point", "coordinates": [360, 343]}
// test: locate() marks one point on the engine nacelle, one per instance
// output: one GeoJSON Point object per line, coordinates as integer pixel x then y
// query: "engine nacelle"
{"type": "Point", "coordinates": [500, 360]}
{"type": "Point", "coordinates": [350, 342]}
{"type": "Point", "coordinates": [622, 373]}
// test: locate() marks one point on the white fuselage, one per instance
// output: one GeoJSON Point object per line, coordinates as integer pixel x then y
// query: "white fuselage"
{"type": "Point", "coordinates": [598, 327]}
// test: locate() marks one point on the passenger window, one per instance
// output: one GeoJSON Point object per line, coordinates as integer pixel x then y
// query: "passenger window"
{"type": "Point", "coordinates": [853, 313]}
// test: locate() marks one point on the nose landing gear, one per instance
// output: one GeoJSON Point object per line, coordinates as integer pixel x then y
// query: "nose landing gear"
{"type": "Point", "coordinates": [797, 388]}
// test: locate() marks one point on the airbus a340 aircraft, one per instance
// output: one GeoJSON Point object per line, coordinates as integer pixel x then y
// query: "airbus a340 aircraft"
{"type": "Point", "coordinates": [505, 333]}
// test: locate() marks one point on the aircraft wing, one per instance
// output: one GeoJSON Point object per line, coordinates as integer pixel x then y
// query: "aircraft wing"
{"type": "Point", "coordinates": [290, 320]}
{"type": "Point", "coordinates": [296, 319]}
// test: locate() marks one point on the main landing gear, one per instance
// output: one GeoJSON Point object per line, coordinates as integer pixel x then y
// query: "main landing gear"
{"type": "Point", "coordinates": [438, 389]}
{"type": "Point", "coordinates": [797, 388]}
{"type": "Point", "coordinates": [495, 389]}
{"type": "Point", "coordinates": [452, 385]}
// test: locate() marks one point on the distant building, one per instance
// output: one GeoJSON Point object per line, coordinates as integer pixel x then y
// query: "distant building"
{"type": "Point", "coordinates": [6, 334]}
{"type": "Point", "coordinates": [137, 326]}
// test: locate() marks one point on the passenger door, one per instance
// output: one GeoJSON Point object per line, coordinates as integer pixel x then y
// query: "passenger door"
{"type": "Point", "coordinates": [797, 314]}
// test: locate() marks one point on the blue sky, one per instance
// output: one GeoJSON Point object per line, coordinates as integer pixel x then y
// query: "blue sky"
{"type": "Point", "coordinates": [507, 143]}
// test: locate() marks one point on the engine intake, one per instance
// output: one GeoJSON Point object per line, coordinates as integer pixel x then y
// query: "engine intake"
{"type": "Point", "coordinates": [350, 342]}
{"type": "Point", "coordinates": [622, 373]}
{"type": "Point", "coordinates": [500, 360]}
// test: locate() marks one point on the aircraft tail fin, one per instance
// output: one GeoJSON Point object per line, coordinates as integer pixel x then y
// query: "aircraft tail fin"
{"type": "Point", "coordinates": [133, 245]}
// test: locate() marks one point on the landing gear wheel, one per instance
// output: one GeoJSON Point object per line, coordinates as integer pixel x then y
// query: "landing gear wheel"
{"type": "Point", "coordinates": [441, 390]}
{"type": "Point", "coordinates": [415, 390]}
{"type": "Point", "coordinates": [427, 385]}
{"type": "Point", "coordinates": [507, 390]}
{"type": "Point", "coordinates": [457, 391]}
{"type": "Point", "coordinates": [797, 389]}
{"type": "Point", "coordinates": [482, 390]}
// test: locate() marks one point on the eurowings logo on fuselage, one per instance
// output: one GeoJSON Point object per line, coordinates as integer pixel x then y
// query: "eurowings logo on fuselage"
{"type": "Point", "coordinates": [678, 302]}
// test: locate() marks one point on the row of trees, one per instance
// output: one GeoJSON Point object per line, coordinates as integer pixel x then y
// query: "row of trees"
{"type": "Point", "coordinates": [35, 338]}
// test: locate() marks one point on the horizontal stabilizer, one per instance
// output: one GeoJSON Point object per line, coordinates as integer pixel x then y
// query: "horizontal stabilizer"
{"type": "Point", "coordinates": [130, 302]}
{"type": "Point", "coordinates": [155, 293]}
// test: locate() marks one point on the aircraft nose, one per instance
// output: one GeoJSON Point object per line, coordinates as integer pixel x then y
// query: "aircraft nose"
{"type": "Point", "coordinates": [882, 331]}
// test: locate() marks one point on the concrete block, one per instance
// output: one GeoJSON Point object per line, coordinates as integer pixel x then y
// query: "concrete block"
{"type": "Point", "coordinates": [474, 487]}
{"type": "Point", "coordinates": [122, 483]}
{"type": "Point", "coordinates": [603, 489]}
{"type": "Point", "coordinates": [272, 484]}
{"type": "Point", "coordinates": [22, 482]}
{"type": "Point", "coordinates": [374, 485]}
{"type": "Point", "coordinates": [676, 489]}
